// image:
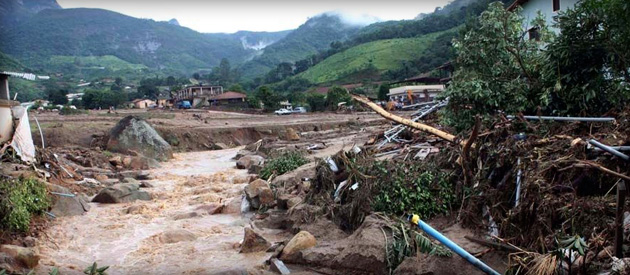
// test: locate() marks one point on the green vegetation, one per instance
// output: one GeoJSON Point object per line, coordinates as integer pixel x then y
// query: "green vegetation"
{"type": "Point", "coordinates": [281, 164]}
{"type": "Point", "coordinates": [335, 96]}
{"type": "Point", "coordinates": [93, 99]}
{"type": "Point", "coordinates": [95, 270]}
{"type": "Point", "coordinates": [381, 55]}
{"type": "Point", "coordinates": [67, 111]}
{"type": "Point", "coordinates": [411, 189]}
{"type": "Point", "coordinates": [316, 102]}
{"type": "Point", "coordinates": [407, 242]}
{"type": "Point", "coordinates": [19, 200]}
{"type": "Point", "coordinates": [582, 71]}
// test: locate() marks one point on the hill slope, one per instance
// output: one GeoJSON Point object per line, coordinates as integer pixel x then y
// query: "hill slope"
{"type": "Point", "coordinates": [96, 32]}
{"type": "Point", "coordinates": [379, 56]}
{"type": "Point", "coordinates": [311, 37]}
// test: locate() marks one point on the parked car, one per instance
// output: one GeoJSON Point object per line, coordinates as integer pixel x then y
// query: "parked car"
{"type": "Point", "coordinates": [184, 105]}
{"type": "Point", "coordinates": [300, 110]}
{"type": "Point", "coordinates": [282, 111]}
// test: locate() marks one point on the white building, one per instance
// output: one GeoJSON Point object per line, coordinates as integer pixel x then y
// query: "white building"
{"type": "Point", "coordinates": [420, 93]}
{"type": "Point", "coordinates": [549, 8]}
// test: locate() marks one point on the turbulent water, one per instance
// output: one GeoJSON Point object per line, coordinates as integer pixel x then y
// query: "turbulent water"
{"type": "Point", "coordinates": [131, 243]}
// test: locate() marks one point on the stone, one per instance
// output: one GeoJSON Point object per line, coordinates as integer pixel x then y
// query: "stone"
{"type": "Point", "coordinates": [211, 209]}
{"type": "Point", "coordinates": [247, 161]}
{"type": "Point", "coordinates": [135, 134]}
{"type": "Point", "coordinates": [136, 209]}
{"type": "Point", "coordinates": [26, 256]}
{"type": "Point", "coordinates": [63, 206]}
{"type": "Point", "coordinates": [278, 266]}
{"type": "Point", "coordinates": [29, 241]}
{"type": "Point", "coordinates": [292, 135]}
{"type": "Point", "coordinates": [282, 201]}
{"type": "Point", "coordinates": [184, 216]}
{"type": "Point", "coordinates": [253, 242]}
{"type": "Point", "coordinates": [145, 184]}
{"type": "Point", "coordinates": [293, 202]}
{"type": "Point", "coordinates": [138, 175]}
{"type": "Point", "coordinates": [294, 178]}
{"type": "Point", "coordinates": [233, 206]}
{"type": "Point", "coordinates": [126, 162]}
{"type": "Point", "coordinates": [142, 163]}
{"type": "Point", "coordinates": [122, 192]}
{"type": "Point", "coordinates": [255, 169]}
{"type": "Point", "coordinates": [9, 264]}
{"type": "Point", "coordinates": [101, 177]}
{"type": "Point", "coordinates": [299, 242]}
{"type": "Point", "coordinates": [221, 146]}
{"type": "Point", "coordinates": [130, 180]}
{"type": "Point", "coordinates": [258, 194]}
{"type": "Point", "coordinates": [115, 160]}
{"type": "Point", "coordinates": [175, 236]}
{"type": "Point", "coordinates": [243, 152]}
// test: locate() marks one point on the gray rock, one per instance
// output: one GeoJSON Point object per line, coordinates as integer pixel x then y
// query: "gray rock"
{"type": "Point", "coordinates": [124, 192]}
{"type": "Point", "coordinates": [67, 206]}
{"type": "Point", "coordinates": [247, 161]}
{"type": "Point", "coordinates": [133, 134]}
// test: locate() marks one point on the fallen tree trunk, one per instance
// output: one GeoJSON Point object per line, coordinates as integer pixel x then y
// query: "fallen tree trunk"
{"type": "Point", "coordinates": [422, 127]}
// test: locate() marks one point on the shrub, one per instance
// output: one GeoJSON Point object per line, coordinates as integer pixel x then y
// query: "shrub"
{"type": "Point", "coordinates": [284, 163]}
{"type": "Point", "coordinates": [411, 189]}
{"type": "Point", "coordinates": [19, 200]}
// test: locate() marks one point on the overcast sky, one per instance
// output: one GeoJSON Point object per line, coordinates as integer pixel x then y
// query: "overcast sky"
{"type": "Point", "coordinates": [270, 15]}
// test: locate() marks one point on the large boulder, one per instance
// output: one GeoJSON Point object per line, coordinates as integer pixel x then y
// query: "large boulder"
{"type": "Point", "coordinates": [294, 178]}
{"type": "Point", "coordinates": [292, 135]}
{"type": "Point", "coordinates": [122, 192]}
{"type": "Point", "coordinates": [67, 204]}
{"type": "Point", "coordinates": [301, 241]}
{"type": "Point", "coordinates": [26, 256]}
{"type": "Point", "coordinates": [259, 193]}
{"type": "Point", "coordinates": [247, 161]}
{"type": "Point", "coordinates": [253, 242]}
{"type": "Point", "coordinates": [134, 135]}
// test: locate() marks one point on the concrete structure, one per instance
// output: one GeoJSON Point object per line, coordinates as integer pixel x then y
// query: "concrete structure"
{"type": "Point", "coordinates": [229, 98]}
{"type": "Point", "coordinates": [549, 8]}
{"type": "Point", "coordinates": [420, 93]}
{"type": "Point", "coordinates": [198, 91]}
{"type": "Point", "coordinates": [142, 103]}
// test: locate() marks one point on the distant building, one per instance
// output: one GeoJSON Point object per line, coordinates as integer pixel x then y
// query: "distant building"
{"type": "Point", "coordinates": [549, 8]}
{"type": "Point", "coordinates": [229, 98]}
{"type": "Point", "coordinates": [418, 93]}
{"type": "Point", "coordinates": [73, 96]}
{"type": "Point", "coordinates": [42, 102]}
{"type": "Point", "coordinates": [164, 102]}
{"type": "Point", "coordinates": [198, 95]}
{"type": "Point", "coordinates": [143, 103]}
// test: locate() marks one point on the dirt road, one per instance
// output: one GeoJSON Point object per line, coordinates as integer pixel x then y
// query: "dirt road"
{"type": "Point", "coordinates": [161, 236]}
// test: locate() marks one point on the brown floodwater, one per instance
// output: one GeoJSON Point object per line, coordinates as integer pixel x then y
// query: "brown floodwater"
{"type": "Point", "coordinates": [130, 243]}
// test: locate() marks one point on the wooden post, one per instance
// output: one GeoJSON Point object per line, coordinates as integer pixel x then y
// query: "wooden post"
{"type": "Point", "coordinates": [621, 201]}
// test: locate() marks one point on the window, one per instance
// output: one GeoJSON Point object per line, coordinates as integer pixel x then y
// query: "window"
{"type": "Point", "coordinates": [534, 34]}
{"type": "Point", "coordinates": [556, 5]}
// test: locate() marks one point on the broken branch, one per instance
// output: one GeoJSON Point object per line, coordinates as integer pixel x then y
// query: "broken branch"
{"type": "Point", "coordinates": [406, 122]}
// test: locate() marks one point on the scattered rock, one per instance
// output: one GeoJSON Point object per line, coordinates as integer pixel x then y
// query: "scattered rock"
{"type": "Point", "coordinates": [299, 242]}
{"type": "Point", "coordinates": [255, 169]}
{"type": "Point", "coordinates": [135, 134]}
{"type": "Point", "coordinates": [282, 201]}
{"type": "Point", "coordinates": [138, 175]}
{"type": "Point", "coordinates": [9, 264]}
{"type": "Point", "coordinates": [243, 152]}
{"type": "Point", "coordinates": [175, 236]}
{"type": "Point", "coordinates": [101, 177]}
{"type": "Point", "coordinates": [292, 135]}
{"type": "Point", "coordinates": [233, 206]}
{"type": "Point", "coordinates": [211, 209]}
{"type": "Point", "coordinates": [258, 193]}
{"type": "Point", "coordinates": [67, 206]}
{"type": "Point", "coordinates": [145, 184]}
{"type": "Point", "coordinates": [247, 161]}
{"type": "Point", "coordinates": [295, 177]}
{"type": "Point", "coordinates": [130, 180]}
{"type": "Point", "coordinates": [126, 162]}
{"type": "Point", "coordinates": [136, 209]}
{"type": "Point", "coordinates": [26, 256]}
{"type": "Point", "coordinates": [142, 163]}
{"type": "Point", "coordinates": [123, 192]}
{"type": "Point", "coordinates": [278, 266]}
{"type": "Point", "coordinates": [116, 160]}
{"type": "Point", "coordinates": [253, 242]}
{"type": "Point", "coordinates": [29, 241]}
{"type": "Point", "coordinates": [221, 146]}
{"type": "Point", "coordinates": [184, 216]}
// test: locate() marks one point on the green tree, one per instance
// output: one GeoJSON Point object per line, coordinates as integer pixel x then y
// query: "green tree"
{"type": "Point", "coordinates": [589, 62]}
{"type": "Point", "coordinates": [316, 102]}
{"type": "Point", "coordinates": [269, 98]}
{"type": "Point", "coordinates": [498, 68]}
{"type": "Point", "coordinates": [383, 90]}
{"type": "Point", "coordinates": [335, 96]}
{"type": "Point", "coordinates": [58, 96]}
{"type": "Point", "coordinates": [95, 98]}
{"type": "Point", "coordinates": [225, 72]}
{"type": "Point", "coordinates": [236, 88]}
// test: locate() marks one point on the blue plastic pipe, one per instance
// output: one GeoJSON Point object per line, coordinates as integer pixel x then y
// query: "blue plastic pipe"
{"type": "Point", "coordinates": [456, 248]}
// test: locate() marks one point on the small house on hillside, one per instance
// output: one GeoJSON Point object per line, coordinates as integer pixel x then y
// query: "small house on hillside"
{"type": "Point", "coordinates": [142, 103]}
{"type": "Point", "coordinates": [549, 8]}
{"type": "Point", "coordinates": [229, 99]}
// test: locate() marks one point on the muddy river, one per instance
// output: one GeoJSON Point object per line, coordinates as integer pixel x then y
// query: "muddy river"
{"type": "Point", "coordinates": [170, 234]}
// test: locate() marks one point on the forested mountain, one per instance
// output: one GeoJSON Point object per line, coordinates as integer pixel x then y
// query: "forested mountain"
{"type": "Point", "coordinates": [12, 11]}
{"type": "Point", "coordinates": [96, 32]}
{"type": "Point", "coordinates": [311, 37]}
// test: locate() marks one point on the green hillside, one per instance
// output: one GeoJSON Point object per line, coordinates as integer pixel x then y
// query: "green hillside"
{"type": "Point", "coordinates": [381, 55]}
{"type": "Point", "coordinates": [107, 62]}
{"type": "Point", "coordinates": [310, 38]}
{"type": "Point", "coordinates": [96, 32]}
{"type": "Point", "coordinates": [9, 64]}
